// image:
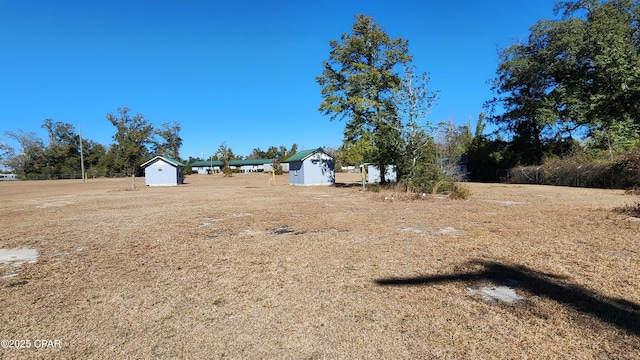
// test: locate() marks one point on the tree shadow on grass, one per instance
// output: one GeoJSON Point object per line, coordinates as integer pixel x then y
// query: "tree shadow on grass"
{"type": "Point", "coordinates": [619, 312]}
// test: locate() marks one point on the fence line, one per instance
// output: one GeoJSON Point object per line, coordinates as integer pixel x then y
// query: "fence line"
{"type": "Point", "coordinates": [594, 175]}
{"type": "Point", "coordinates": [76, 176]}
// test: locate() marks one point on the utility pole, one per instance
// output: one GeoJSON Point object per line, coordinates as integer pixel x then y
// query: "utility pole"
{"type": "Point", "coordinates": [81, 156]}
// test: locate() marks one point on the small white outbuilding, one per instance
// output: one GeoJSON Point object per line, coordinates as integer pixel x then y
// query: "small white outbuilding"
{"type": "Point", "coordinates": [163, 171]}
{"type": "Point", "coordinates": [311, 167]}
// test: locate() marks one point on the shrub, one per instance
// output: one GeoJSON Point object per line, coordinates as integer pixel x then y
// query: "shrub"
{"type": "Point", "coordinates": [526, 175]}
{"type": "Point", "coordinates": [425, 180]}
{"type": "Point", "coordinates": [631, 210]}
{"type": "Point", "coordinates": [626, 170]}
{"type": "Point", "coordinates": [375, 187]}
{"type": "Point", "coordinates": [277, 168]}
{"type": "Point", "coordinates": [459, 191]}
{"type": "Point", "coordinates": [227, 171]}
{"type": "Point", "coordinates": [621, 173]}
{"type": "Point", "coordinates": [455, 190]}
{"type": "Point", "coordinates": [396, 186]}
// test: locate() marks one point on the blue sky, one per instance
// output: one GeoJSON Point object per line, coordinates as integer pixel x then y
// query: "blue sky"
{"type": "Point", "coordinates": [241, 72]}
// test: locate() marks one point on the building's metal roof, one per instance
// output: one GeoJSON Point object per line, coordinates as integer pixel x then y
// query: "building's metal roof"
{"type": "Point", "coordinates": [250, 162]}
{"type": "Point", "coordinates": [301, 155]}
{"type": "Point", "coordinates": [166, 159]}
{"type": "Point", "coordinates": [206, 163]}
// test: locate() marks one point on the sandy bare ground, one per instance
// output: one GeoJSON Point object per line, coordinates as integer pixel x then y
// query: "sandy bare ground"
{"type": "Point", "coordinates": [233, 268]}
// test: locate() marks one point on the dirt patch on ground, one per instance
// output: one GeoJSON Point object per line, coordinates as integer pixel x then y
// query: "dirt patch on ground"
{"type": "Point", "coordinates": [233, 268]}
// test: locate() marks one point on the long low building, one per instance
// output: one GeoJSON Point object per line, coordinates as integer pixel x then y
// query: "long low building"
{"type": "Point", "coordinates": [245, 166]}
{"type": "Point", "coordinates": [206, 166]}
{"type": "Point", "coordinates": [250, 165]}
{"type": "Point", "coordinates": [13, 177]}
{"type": "Point", "coordinates": [269, 167]}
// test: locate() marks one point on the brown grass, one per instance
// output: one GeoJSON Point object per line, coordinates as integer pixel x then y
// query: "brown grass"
{"type": "Point", "coordinates": [234, 268]}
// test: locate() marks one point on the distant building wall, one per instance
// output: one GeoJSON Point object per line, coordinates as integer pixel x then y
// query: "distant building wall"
{"type": "Point", "coordinates": [206, 169]}
{"type": "Point", "coordinates": [269, 167]}
{"type": "Point", "coordinates": [8, 177]}
{"type": "Point", "coordinates": [373, 174]}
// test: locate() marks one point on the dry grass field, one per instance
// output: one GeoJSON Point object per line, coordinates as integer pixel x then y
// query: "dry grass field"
{"type": "Point", "coordinates": [233, 268]}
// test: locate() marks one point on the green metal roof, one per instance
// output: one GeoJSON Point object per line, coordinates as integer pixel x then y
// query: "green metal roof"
{"type": "Point", "coordinates": [173, 161]}
{"type": "Point", "coordinates": [206, 163]}
{"type": "Point", "coordinates": [250, 162]}
{"type": "Point", "coordinates": [301, 155]}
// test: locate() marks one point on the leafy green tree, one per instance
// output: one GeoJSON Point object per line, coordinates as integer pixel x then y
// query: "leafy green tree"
{"type": "Point", "coordinates": [355, 152]}
{"type": "Point", "coordinates": [170, 140]}
{"type": "Point", "coordinates": [283, 153]}
{"type": "Point", "coordinates": [612, 73]}
{"type": "Point", "coordinates": [258, 153]}
{"type": "Point", "coordinates": [193, 159]}
{"type": "Point", "coordinates": [134, 135]}
{"type": "Point", "coordinates": [225, 154]}
{"type": "Point", "coordinates": [357, 84]}
{"type": "Point", "coordinates": [29, 158]}
{"type": "Point", "coordinates": [487, 156]}
{"type": "Point", "coordinates": [273, 152]}
{"type": "Point", "coordinates": [62, 154]}
{"type": "Point", "coordinates": [96, 159]}
{"type": "Point", "coordinates": [580, 72]}
{"type": "Point", "coordinates": [524, 85]}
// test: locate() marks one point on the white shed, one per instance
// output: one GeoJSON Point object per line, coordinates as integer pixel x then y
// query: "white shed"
{"type": "Point", "coordinates": [163, 171]}
{"type": "Point", "coordinates": [311, 167]}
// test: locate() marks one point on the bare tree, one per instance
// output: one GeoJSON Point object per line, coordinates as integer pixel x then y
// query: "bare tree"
{"type": "Point", "coordinates": [414, 100]}
{"type": "Point", "coordinates": [451, 144]}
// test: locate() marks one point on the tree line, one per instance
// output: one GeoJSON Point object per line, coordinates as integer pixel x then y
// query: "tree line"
{"type": "Point", "coordinates": [225, 154]}
{"type": "Point", "coordinates": [572, 89]}
{"type": "Point", "coordinates": [135, 141]}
